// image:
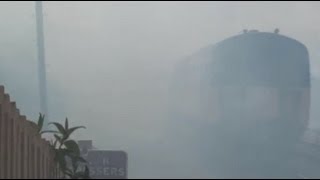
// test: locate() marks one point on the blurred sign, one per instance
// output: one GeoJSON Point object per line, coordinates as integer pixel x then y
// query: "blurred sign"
{"type": "Point", "coordinates": [107, 164]}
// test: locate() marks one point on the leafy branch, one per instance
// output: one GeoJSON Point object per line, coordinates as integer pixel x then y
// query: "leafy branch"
{"type": "Point", "coordinates": [67, 152]}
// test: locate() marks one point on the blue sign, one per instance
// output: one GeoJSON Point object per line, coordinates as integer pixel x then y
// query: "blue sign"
{"type": "Point", "coordinates": [107, 164]}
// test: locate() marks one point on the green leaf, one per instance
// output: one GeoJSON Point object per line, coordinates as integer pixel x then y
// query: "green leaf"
{"type": "Point", "coordinates": [78, 175]}
{"type": "Point", "coordinates": [61, 160]}
{"type": "Point", "coordinates": [71, 130]}
{"type": "Point", "coordinates": [76, 162]}
{"type": "Point", "coordinates": [42, 132]}
{"type": "Point", "coordinates": [66, 124]}
{"type": "Point", "coordinates": [67, 152]}
{"type": "Point", "coordinates": [81, 175]}
{"type": "Point", "coordinates": [71, 145]}
{"type": "Point", "coordinates": [81, 159]}
{"type": "Point", "coordinates": [67, 170]}
{"type": "Point", "coordinates": [55, 143]}
{"type": "Point", "coordinates": [40, 122]}
{"type": "Point", "coordinates": [57, 138]}
{"type": "Point", "coordinates": [86, 173]}
{"type": "Point", "coordinates": [51, 142]}
{"type": "Point", "coordinates": [69, 173]}
{"type": "Point", "coordinates": [60, 128]}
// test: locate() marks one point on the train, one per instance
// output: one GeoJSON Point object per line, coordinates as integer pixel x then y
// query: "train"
{"type": "Point", "coordinates": [243, 104]}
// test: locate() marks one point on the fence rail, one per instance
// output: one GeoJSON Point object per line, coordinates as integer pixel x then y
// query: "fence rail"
{"type": "Point", "coordinates": [23, 153]}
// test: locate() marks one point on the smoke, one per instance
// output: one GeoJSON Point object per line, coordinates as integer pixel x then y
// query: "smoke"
{"type": "Point", "coordinates": [110, 65]}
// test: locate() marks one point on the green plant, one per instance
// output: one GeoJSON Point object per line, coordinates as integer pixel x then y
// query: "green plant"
{"type": "Point", "coordinates": [76, 172]}
{"type": "Point", "coordinates": [40, 125]}
{"type": "Point", "coordinates": [67, 152]}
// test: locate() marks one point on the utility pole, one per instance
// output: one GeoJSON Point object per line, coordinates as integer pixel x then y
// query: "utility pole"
{"type": "Point", "coordinates": [41, 61]}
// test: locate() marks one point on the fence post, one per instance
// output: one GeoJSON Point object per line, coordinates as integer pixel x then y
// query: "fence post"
{"type": "Point", "coordinates": [16, 116]}
{"type": "Point", "coordinates": [24, 148]}
{"type": "Point", "coordinates": [13, 168]}
{"type": "Point", "coordinates": [8, 138]}
{"type": "Point", "coordinates": [2, 134]}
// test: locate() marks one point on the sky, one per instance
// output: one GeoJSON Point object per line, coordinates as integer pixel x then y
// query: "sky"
{"type": "Point", "coordinates": [109, 63]}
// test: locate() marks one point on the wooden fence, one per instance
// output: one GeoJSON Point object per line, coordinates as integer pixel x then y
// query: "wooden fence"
{"type": "Point", "coordinates": [23, 153]}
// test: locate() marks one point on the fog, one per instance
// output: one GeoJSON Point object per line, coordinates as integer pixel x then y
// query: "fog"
{"type": "Point", "coordinates": [110, 67]}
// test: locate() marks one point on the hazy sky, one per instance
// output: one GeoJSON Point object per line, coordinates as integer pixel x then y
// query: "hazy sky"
{"type": "Point", "coordinates": [112, 61]}
{"type": "Point", "coordinates": [114, 58]}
